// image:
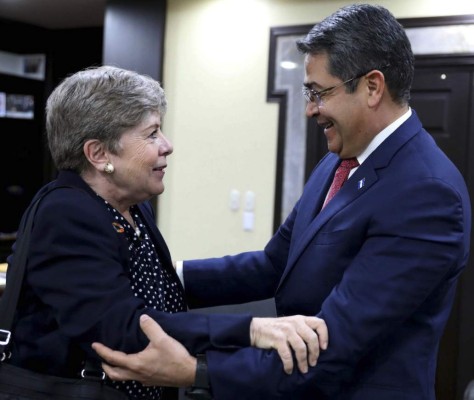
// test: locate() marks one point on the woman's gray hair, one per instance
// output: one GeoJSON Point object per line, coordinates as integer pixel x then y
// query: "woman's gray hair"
{"type": "Point", "coordinates": [97, 103]}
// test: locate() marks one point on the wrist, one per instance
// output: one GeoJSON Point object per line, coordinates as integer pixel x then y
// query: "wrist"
{"type": "Point", "coordinates": [202, 376]}
{"type": "Point", "coordinates": [201, 388]}
{"type": "Point", "coordinates": [254, 330]}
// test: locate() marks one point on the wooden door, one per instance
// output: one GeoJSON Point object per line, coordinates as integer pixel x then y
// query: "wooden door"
{"type": "Point", "coordinates": [442, 97]}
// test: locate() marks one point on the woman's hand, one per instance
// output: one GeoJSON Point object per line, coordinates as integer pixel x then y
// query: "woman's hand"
{"type": "Point", "coordinates": [304, 335]}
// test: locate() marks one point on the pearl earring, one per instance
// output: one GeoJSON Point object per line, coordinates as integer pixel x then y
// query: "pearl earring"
{"type": "Point", "coordinates": [109, 168]}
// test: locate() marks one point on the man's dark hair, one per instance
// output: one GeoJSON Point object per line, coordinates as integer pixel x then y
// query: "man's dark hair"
{"type": "Point", "coordinates": [362, 37]}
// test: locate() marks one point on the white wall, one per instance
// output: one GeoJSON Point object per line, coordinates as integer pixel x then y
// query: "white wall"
{"type": "Point", "coordinates": [223, 130]}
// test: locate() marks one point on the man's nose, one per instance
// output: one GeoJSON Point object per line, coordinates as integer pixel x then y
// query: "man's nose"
{"type": "Point", "coordinates": [312, 109]}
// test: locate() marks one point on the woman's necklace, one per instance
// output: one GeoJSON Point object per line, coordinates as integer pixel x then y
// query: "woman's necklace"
{"type": "Point", "coordinates": [137, 229]}
{"type": "Point", "coordinates": [133, 223]}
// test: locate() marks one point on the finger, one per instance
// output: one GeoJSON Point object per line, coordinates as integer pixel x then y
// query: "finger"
{"type": "Point", "coordinates": [286, 357]}
{"type": "Point", "coordinates": [309, 351]}
{"type": "Point", "coordinates": [312, 347]}
{"type": "Point", "coordinates": [110, 356]}
{"type": "Point", "coordinates": [321, 329]}
{"type": "Point", "coordinates": [301, 352]}
{"type": "Point", "coordinates": [150, 327]}
{"type": "Point", "coordinates": [118, 373]}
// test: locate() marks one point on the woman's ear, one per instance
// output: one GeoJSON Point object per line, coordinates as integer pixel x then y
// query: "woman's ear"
{"type": "Point", "coordinates": [95, 152]}
{"type": "Point", "coordinates": [375, 81]}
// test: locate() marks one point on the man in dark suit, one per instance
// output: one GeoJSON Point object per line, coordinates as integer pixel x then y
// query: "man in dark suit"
{"type": "Point", "coordinates": [378, 260]}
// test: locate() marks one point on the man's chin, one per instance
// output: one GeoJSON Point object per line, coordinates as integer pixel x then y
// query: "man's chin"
{"type": "Point", "coordinates": [334, 149]}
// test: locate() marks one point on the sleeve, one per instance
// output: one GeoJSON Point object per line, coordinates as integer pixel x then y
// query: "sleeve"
{"type": "Point", "coordinates": [78, 268]}
{"type": "Point", "coordinates": [415, 247]}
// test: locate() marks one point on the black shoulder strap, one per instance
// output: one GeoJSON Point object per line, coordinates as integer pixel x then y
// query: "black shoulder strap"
{"type": "Point", "coordinates": [16, 271]}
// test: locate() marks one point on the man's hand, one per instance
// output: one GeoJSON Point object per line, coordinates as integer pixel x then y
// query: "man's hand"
{"type": "Point", "coordinates": [305, 335]}
{"type": "Point", "coordinates": [164, 362]}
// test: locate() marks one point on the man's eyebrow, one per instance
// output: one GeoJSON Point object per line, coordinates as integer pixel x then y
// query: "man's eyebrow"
{"type": "Point", "coordinates": [312, 85]}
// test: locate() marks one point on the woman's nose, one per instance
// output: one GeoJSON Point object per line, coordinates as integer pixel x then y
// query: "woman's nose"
{"type": "Point", "coordinates": [166, 147]}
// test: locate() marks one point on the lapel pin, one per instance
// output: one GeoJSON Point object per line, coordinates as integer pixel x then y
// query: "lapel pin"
{"type": "Point", "coordinates": [119, 228]}
{"type": "Point", "coordinates": [361, 183]}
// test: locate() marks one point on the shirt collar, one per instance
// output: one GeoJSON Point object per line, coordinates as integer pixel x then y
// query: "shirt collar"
{"type": "Point", "coordinates": [381, 136]}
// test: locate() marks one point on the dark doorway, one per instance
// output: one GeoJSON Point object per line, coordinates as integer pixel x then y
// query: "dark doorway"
{"type": "Point", "coordinates": [21, 158]}
{"type": "Point", "coordinates": [443, 95]}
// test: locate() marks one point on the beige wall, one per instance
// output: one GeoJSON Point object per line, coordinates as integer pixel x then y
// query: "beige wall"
{"type": "Point", "coordinates": [223, 130]}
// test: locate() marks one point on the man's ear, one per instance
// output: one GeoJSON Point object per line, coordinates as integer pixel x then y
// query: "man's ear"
{"type": "Point", "coordinates": [95, 152]}
{"type": "Point", "coordinates": [375, 82]}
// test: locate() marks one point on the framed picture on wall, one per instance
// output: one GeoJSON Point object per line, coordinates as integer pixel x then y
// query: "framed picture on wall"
{"type": "Point", "coordinates": [285, 79]}
{"type": "Point", "coordinates": [19, 106]}
{"type": "Point", "coordinates": [3, 97]}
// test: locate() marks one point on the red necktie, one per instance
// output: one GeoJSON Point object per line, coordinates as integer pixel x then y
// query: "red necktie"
{"type": "Point", "coordinates": [342, 172]}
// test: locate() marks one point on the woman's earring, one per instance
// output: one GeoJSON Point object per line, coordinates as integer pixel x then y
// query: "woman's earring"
{"type": "Point", "coordinates": [109, 168]}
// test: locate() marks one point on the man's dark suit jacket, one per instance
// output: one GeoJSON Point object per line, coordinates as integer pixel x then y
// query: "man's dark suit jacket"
{"type": "Point", "coordinates": [379, 263]}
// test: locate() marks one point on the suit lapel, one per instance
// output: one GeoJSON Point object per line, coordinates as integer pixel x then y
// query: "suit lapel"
{"type": "Point", "coordinates": [307, 224]}
{"type": "Point", "coordinates": [358, 184]}
{"type": "Point", "coordinates": [156, 237]}
{"type": "Point", "coordinates": [315, 191]}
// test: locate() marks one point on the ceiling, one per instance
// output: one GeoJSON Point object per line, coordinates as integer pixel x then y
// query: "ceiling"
{"type": "Point", "coordinates": [55, 14]}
